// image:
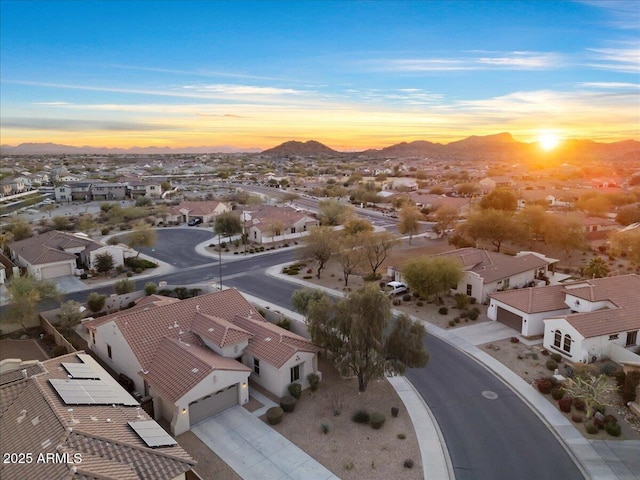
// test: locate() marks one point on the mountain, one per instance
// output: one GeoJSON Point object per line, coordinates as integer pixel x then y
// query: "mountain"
{"type": "Point", "coordinates": [419, 148]}
{"type": "Point", "coordinates": [294, 148]}
{"type": "Point", "coordinates": [57, 149]}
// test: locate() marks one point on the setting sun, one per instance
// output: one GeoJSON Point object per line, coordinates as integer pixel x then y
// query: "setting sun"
{"type": "Point", "coordinates": [548, 141]}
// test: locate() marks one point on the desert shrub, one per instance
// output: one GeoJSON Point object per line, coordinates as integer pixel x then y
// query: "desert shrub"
{"type": "Point", "coordinates": [408, 463]}
{"type": "Point", "coordinates": [96, 301]}
{"type": "Point", "coordinates": [307, 277]}
{"type": "Point", "coordinates": [348, 465]}
{"type": "Point", "coordinates": [361, 416]}
{"type": "Point", "coordinates": [557, 393]}
{"type": "Point", "coordinates": [138, 270]}
{"type": "Point", "coordinates": [576, 418]}
{"type": "Point", "coordinates": [324, 428]}
{"type": "Point", "coordinates": [462, 300]}
{"type": "Point", "coordinates": [569, 372]}
{"type": "Point", "coordinates": [456, 320]}
{"type": "Point", "coordinates": [295, 390]}
{"type": "Point", "coordinates": [610, 419]}
{"type": "Point", "coordinates": [551, 364]}
{"type": "Point", "coordinates": [396, 302]}
{"type": "Point", "coordinates": [473, 300]}
{"type": "Point", "coordinates": [406, 297]}
{"type": "Point", "coordinates": [600, 408]}
{"type": "Point", "coordinates": [394, 412]}
{"type": "Point", "coordinates": [556, 357]}
{"type": "Point", "coordinates": [591, 429]}
{"type": "Point", "coordinates": [473, 315]}
{"type": "Point", "coordinates": [545, 352]}
{"type": "Point", "coordinates": [607, 369]}
{"type": "Point", "coordinates": [129, 274]}
{"type": "Point", "coordinates": [419, 303]}
{"type": "Point", "coordinates": [105, 231]}
{"type": "Point", "coordinates": [136, 262]}
{"type": "Point", "coordinates": [288, 403]}
{"type": "Point", "coordinates": [274, 415]}
{"type": "Point", "coordinates": [150, 288]}
{"type": "Point", "coordinates": [629, 387]}
{"type": "Point", "coordinates": [284, 323]}
{"type": "Point", "coordinates": [314, 381]}
{"type": "Point", "coordinates": [613, 429]}
{"type": "Point", "coordinates": [443, 310]}
{"type": "Point", "coordinates": [377, 420]}
{"type": "Point", "coordinates": [514, 340]}
{"type": "Point", "coordinates": [598, 422]}
{"type": "Point", "coordinates": [579, 404]}
{"type": "Point", "coordinates": [452, 323]}
{"type": "Point", "coordinates": [544, 385]}
{"type": "Point", "coordinates": [401, 436]}
{"type": "Point", "coordinates": [564, 404]}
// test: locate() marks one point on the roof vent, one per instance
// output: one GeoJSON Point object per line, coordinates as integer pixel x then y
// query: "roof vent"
{"type": "Point", "coordinates": [35, 421]}
{"type": "Point", "coordinates": [24, 373]}
{"type": "Point", "coordinates": [268, 339]}
{"type": "Point", "coordinates": [108, 420]}
{"type": "Point", "coordinates": [210, 329]}
{"type": "Point", "coordinates": [46, 443]}
{"type": "Point", "coordinates": [23, 415]}
{"type": "Point", "coordinates": [194, 370]}
{"type": "Point", "coordinates": [94, 418]}
{"type": "Point", "coordinates": [197, 308]}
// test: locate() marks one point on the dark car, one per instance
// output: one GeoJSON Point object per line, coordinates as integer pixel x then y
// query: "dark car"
{"type": "Point", "coordinates": [194, 221]}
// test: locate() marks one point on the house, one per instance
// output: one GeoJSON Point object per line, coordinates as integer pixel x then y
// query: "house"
{"type": "Point", "coordinates": [490, 183]}
{"type": "Point", "coordinates": [70, 419]}
{"type": "Point", "coordinates": [402, 185]}
{"type": "Point", "coordinates": [206, 211]}
{"type": "Point", "coordinates": [270, 223]}
{"type": "Point", "coordinates": [584, 320]}
{"type": "Point", "coordinates": [486, 272]}
{"type": "Point", "coordinates": [144, 189]}
{"type": "Point", "coordinates": [434, 202]}
{"type": "Point", "coordinates": [109, 191]}
{"type": "Point", "coordinates": [13, 186]}
{"type": "Point", "coordinates": [194, 357]}
{"type": "Point", "coordinates": [57, 254]}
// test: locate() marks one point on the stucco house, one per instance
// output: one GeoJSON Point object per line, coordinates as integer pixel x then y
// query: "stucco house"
{"type": "Point", "coordinates": [486, 272]}
{"type": "Point", "coordinates": [194, 357]}
{"type": "Point", "coordinates": [206, 211]}
{"type": "Point", "coordinates": [57, 254]}
{"type": "Point", "coordinates": [269, 223]}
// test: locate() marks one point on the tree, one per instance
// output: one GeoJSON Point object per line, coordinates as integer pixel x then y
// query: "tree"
{"type": "Point", "coordinates": [432, 276]}
{"type": "Point", "coordinates": [627, 243]}
{"type": "Point", "coordinates": [500, 199]}
{"type": "Point", "coordinates": [302, 298]}
{"type": "Point", "coordinates": [320, 245]}
{"type": "Point", "coordinates": [86, 223]}
{"type": "Point", "coordinates": [227, 224]}
{"type": "Point", "coordinates": [533, 218]}
{"type": "Point", "coordinates": [594, 204]}
{"type": "Point", "coordinates": [104, 262]}
{"type": "Point", "coordinates": [355, 225]}
{"type": "Point", "coordinates": [124, 286]}
{"type": "Point", "coordinates": [445, 218]}
{"type": "Point", "coordinates": [594, 390]}
{"type": "Point", "coordinates": [409, 222]}
{"type": "Point", "coordinates": [495, 226]}
{"type": "Point", "coordinates": [566, 233]}
{"type": "Point", "coordinates": [349, 255]}
{"type": "Point", "coordinates": [376, 247]}
{"type": "Point", "coordinates": [628, 215]}
{"type": "Point", "coordinates": [96, 301]}
{"type": "Point", "coordinates": [467, 189]}
{"type": "Point", "coordinates": [274, 227]}
{"type": "Point", "coordinates": [143, 235]}
{"type": "Point", "coordinates": [597, 268]}
{"type": "Point", "coordinates": [354, 333]}
{"type": "Point", "coordinates": [49, 207]}
{"type": "Point", "coordinates": [333, 212]}
{"type": "Point", "coordinates": [150, 288]}
{"type": "Point", "coordinates": [25, 293]}
{"type": "Point", "coordinates": [70, 314]}
{"type": "Point", "coordinates": [62, 223]}
{"type": "Point", "coordinates": [20, 229]}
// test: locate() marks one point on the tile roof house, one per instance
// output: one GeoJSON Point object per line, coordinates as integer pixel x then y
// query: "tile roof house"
{"type": "Point", "coordinates": [194, 357]}
{"type": "Point", "coordinates": [57, 254]}
{"type": "Point", "coordinates": [486, 272]}
{"type": "Point", "coordinates": [206, 211]}
{"type": "Point", "coordinates": [68, 435]}
{"type": "Point", "coordinates": [583, 320]}
{"type": "Point", "coordinates": [268, 223]}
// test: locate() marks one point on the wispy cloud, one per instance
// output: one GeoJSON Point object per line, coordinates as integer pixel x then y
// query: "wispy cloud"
{"type": "Point", "coordinates": [626, 60]}
{"type": "Point", "coordinates": [72, 125]}
{"type": "Point", "coordinates": [51, 104]}
{"type": "Point", "coordinates": [623, 14]}
{"type": "Point", "coordinates": [523, 60]}
{"type": "Point", "coordinates": [240, 90]}
{"type": "Point", "coordinates": [610, 85]}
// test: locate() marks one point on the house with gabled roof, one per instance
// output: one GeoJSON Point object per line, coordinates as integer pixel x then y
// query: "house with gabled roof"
{"type": "Point", "coordinates": [76, 422]}
{"type": "Point", "coordinates": [57, 254]}
{"type": "Point", "coordinates": [268, 223]}
{"type": "Point", "coordinates": [486, 272]}
{"type": "Point", "coordinates": [194, 357]}
{"type": "Point", "coordinates": [205, 211]}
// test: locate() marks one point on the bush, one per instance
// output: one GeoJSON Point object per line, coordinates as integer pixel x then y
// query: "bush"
{"type": "Point", "coordinates": [361, 416]}
{"type": "Point", "coordinates": [314, 381]}
{"type": "Point", "coordinates": [576, 418]}
{"type": "Point", "coordinates": [557, 393]}
{"type": "Point", "coordinates": [96, 301]}
{"type": "Point", "coordinates": [274, 415]}
{"type": "Point", "coordinates": [84, 276]}
{"type": "Point", "coordinates": [295, 390]}
{"type": "Point", "coordinates": [473, 315]}
{"type": "Point", "coordinates": [288, 403]}
{"type": "Point", "coordinates": [394, 412]}
{"type": "Point", "coordinates": [324, 428]}
{"type": "Point", "coordinates": [556, 357]}
{"type": "Point", "coordinates": [544, 385]}
{"type": "Point", "coordinates": [608, 369]}
{"type": "Point", "coordinates": [396, 302]}
{"type": "Point", "coordinates": [284, 323]}
{"type": "Point", "coordinates": [514, 340]}
{"type": "Point", "coordinates": [408, 463]}
{"type": "Point", "coordinates": [136, 262]}
{"type": "Point", "coordinates": [377, 420]}
{"type": "Point", "coordinates": [551, 364]}
{"type": "Point", "coordinates": [564, 404]}
{"type": "Point", "coordinates": [443, 310]}
{"type": "Point", "coordinates": [613, 429]}
{"type": "Point", "coordinates": [591, 429]}
{"type": "Point", "coordinates": [620, 376]}
{"type": "Point", "coordinates": [150, 288]}
{"type": "Point", "coordinates": [401, 436]}
{"type": "Point", "coordinates": [452, 323]}
{"type": "Point", "coordinates": [462, 300]}
{"type": "Point", "coordinates": [419, 303]}
{"type": "Point", "coordinates": [406, 297]}
{"type": "Point", "coordinates": [124, 286]}
{"type": "Point", "coordinates": [579, 404]}
{"type": "Point", "coordinates": [629, 387]}
{"type": "Point", "coordinates": [129, 274]}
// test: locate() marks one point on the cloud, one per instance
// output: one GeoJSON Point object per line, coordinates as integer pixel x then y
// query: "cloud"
{"type": "Point", "coordinates": [73, 125]}
{"type": "Point", "coordinates": [52, 104]}
{"type": "Point", "coordinates": [523, 60]}
{"type": "Point", "coordinates": [237, 90]}
{"type": "Point", "coordinates": [610, 85]}
{"type": "Point", "coordinates": [626, 60]}
{"type": "Point", "coordinates": [623, 14]}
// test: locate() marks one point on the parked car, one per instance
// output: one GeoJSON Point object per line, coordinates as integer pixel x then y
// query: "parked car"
{"type": "Point", "coordinates": [396, 288]}
{"type": "Point", "coordinates": [194, 221]}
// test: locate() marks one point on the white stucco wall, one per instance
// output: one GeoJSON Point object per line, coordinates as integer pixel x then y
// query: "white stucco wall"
{"type": "Point", "coordinates": [532, 323]}
{"type": "Point", "coordinates": [229, 351]}
{"type": "Point", "coordinates": [577, 352]}
{"type": "Point", "coordinates": [116, 252]}
{"type": "Point", "coordinates": [276, 380]}
{"type": "Point", "coordinates": [476, 286]}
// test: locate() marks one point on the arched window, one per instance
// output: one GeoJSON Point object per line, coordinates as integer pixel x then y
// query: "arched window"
{"type": "Point", "coordinates": [567, 343]}
{"type": "Point", "coordinates": [557, 340]}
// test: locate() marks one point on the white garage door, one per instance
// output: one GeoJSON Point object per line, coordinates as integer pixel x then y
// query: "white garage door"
{"type": "Point", "coordinates": [55, 271]}
{"type": "Point", "coordinates": [212, 404]}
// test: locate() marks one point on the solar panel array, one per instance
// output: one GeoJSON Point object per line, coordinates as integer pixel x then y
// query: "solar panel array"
{"type": "Point", "coordinates": [80, 370]}
{"type": "Point", "coordinates": [90, 392]}
{"type": "Point", "coordinates": [152, 434]}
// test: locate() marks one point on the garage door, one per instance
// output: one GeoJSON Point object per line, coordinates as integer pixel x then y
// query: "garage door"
{"type": "Point", "coordinates": [510, 319]}
{"type": "Point", "coordinates": [212, 404]}
{"type": "Point", "coordinates": [55, 271]}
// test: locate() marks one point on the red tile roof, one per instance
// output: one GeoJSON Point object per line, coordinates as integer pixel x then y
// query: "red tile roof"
{"type": "Point", "coordinates": [534, 299]}
{"type": "Point", "coordinates": [220, 331]}
{"type": "Point", "coordinates": [51, 247]}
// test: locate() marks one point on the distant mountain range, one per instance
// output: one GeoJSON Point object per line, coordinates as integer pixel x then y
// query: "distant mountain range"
{"type": "Point", "coordinates": [498, 146]}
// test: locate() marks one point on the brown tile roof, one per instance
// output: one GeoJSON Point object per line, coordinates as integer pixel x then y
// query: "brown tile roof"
{"type": "Point", "coordinates": [220, 331]}
{"type": "Point", "coordinates": [38, 421]}
{"type": "Point", "coordinates": [269, 213]}
{"type": "Point", "coordinates": [196, 207]}
{"type": "Point", "coordinates": [271, 343]}
{"type": "Point", "coordinates": [493, 266]}
{"type": "Point", "coordinates": [534, 299]}
{"type": "Point", "coordinates": [50, 247]}
{"type": "Point", "coordinates": [178, 367]}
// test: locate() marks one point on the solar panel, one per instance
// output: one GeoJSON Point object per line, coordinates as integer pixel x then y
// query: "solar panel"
{"type": "Point", "coordinates": [80, 370]}
{"type": "Point", "coordinates": [90, 392]}
{"type": "Point", "coordinates": [152, 434]}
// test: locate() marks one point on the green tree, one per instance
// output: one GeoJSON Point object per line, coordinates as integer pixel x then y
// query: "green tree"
{"type": "Point", "coordinates": [227, 224]}
{"type": "Point", "coordinates": [124, 286]}
{"type": "Point", "coordinates": [104, 262]}
{"type": "Point", "coordinates": [594, 390]}
{"type": "Point", "coordinates": [627, 243]}
{"type": "Point", "coordinates": [445, 218]}
{"type": "Point", "coordinates": [86, 223]}
{"type": "Point", "coordinates": [289, 197]}
{"type": "Point", "coordinates": [50, 207]}
{"type": "Point", "coordinates": [566, 233]}
{"type": "Point", "coordinates": [355, 333]}
{"type": "Point", "coordinates": [320, 245]}
{"type": "Point", "coordinates": [495, 226]}
{"type": "Point", "coordinates": [409, 222]}
{"type": "Point", "coordinates": [533, 218]}
{"type": "Point", "coordinates": [597, 268]}
{"type": "Point", "coordinates": [25, 293]}
{"type": "Point", "coordinates": [70, 314]}
{"type": "Point", "coordinates": [303, 298]}
{"type": "Point", "coordinates": [594, 204]}
{"type": "Point", "coordinates": [432, 276]}
{"type": "Point", "coordinates": [19, 229]}
{"type": "Point", "coordinates": [500, 199]}
{"type": "Point", "coordinates": [143, 235]}
{"type": "Point", "coordinates": [355, 225]}
{"type": "Point", "coordinates": [349, 255]}
{"type": "Point", "coordinates": [376, 248]}
{"type": "Point", "coordinates": [96, 302]}
{"type": "Point", "coordinates": [332, 212]}
{"type": "Point", "coordinates": [62, 223]}
{"type": "Point", "coordinates": [150, 288]}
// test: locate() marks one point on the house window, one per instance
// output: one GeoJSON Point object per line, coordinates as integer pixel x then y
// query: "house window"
{"type": "Point", "coordinates": [256, 366]}
{"type": "Point", "coordinates": [506, 283]}
{"type": "Point", "coordinates": [557, 340]}
{"type": "Point", "coordinates": [109, 351]}
{"type": "Point", "coordinates": [93, 336]}
{"type": "Point", "coordinates": [295, 373]}
{"type": "Point", "coordinates": [632, 338]}
{"type": "Point", "coordinates": [567, 343]}
{"type": "Point", "coordinates": [293, 229]}
{"type": "Point", "coordinates": [469, 289]}
{"type": "Point", "coordinates": [613, 337]}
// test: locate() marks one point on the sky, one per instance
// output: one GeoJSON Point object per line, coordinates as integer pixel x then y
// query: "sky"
{"type": "Point", "coordinates": [349, 74]}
